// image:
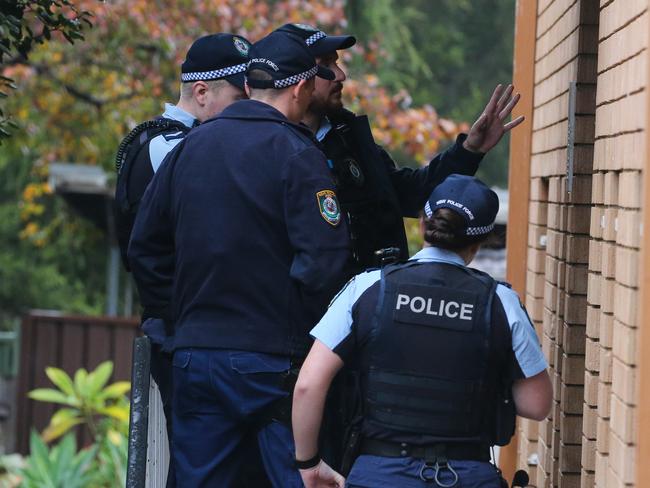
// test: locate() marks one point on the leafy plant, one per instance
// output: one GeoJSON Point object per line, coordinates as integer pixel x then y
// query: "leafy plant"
{"type": "Point", "coordinates": [103, 409]}
{"type": "Point", "coordinates": [60, 466]}
{"type": "Point", "coordinates": [88, 402]}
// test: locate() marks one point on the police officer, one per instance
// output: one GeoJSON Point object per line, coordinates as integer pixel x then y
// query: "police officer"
{"type": "Point", "coordinates": [374, 194]}
{"type": "Point", "coordinates": [443, 350]}
{"type": "Point", "coordinates": [212, 77]}
{"type": "Point", "coordinates": [241, 230]}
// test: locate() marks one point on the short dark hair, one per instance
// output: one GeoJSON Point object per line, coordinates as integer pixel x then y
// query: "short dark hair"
{"type": "Point", "coordinates": [259, 74]}
{"type": "Point", "coordinates": [446, 229]}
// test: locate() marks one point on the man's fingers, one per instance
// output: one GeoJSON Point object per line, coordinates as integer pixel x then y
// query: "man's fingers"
{"type": "Point", "coordinates": [505, 97]}
{"type": "Point", "coordinates": [480, 122]}
{"type": "Point", "coordinates": [496, 94]}
{"type": "Point", "coordinates": [508, 108]}
{"type": "Point", "coordinates": [340, 481]}
{"type": "Point", "coordinates": [514, 123]}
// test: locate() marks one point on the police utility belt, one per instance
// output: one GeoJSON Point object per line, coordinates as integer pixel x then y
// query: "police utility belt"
{"type": "Point", "coordinates": [457, 451]}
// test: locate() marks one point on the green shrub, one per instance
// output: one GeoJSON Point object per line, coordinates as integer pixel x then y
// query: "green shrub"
{"type": "Point", "coordinates": [89, 403]}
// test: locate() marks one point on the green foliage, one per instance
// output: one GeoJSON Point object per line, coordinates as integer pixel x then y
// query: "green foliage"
{"type": "Point", "coordinates": [60, 466]}
{"type": "Point", "coordinates": [46, 269]}
{"type": "Point", "coordinates": [87, 400]}
{"type": "Point", "coordinates": [448, 53]}
{"type": "Point", "coordinates": [25, 23]}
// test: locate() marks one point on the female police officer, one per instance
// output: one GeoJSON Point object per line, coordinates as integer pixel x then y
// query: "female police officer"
{"type": "Point", "coordinates": [442, 349]}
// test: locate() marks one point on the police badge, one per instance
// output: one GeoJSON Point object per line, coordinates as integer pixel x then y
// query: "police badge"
{"type": "Point", "coordinates": [241, 45]}
{"type": "Point", "coordinates": [329, 207]}
{"type": "Point", "coordinates": [306, 27]}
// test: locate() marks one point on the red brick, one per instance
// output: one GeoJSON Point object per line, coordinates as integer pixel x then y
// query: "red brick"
{"type": "Point", "coordinates": [608, 259]}
{"type": "Point", "coordinates": [629, 228]}
{"type": "Point", "coordinates": [593, 322]}
{"type": "Point", "coordinates": [626, 307]}
{"type": "Point", "coordinates": [611, 188]}
{"type": "Point", "coordinates": [624, 381]}
{"type": "Point", "coordinates": [629, 189]}
{"type": "Point", "coordinates": [624, 344]}
{"type": "Point", "coordinates": [605, 368]}
{"type": "Point", "coordinates": [606, 330]}
{"type": "Point", "coordinates": [592, 356]}
{"type": "Point", "coordinates": [595, 253]}
{"type": "Point", "coordinates": [591, 390]}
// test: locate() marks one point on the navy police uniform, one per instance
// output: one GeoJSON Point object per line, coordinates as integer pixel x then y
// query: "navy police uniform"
{"type": "Point", "coordinates": [242, 233]}
{"type": "Point", "coordinates": [211, 57]}
{"type": "Point", "coordinates": [373, 192]}
{"type": "Point", "coordinates": [439, 345]}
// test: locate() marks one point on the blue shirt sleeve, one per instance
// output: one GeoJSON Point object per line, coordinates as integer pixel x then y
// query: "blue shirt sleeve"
{"type": "Point", "coordinates": [160, 146]}
{"type": "Point", "coordinates": [525, 342]}
{"type": "Point", "coordinates": [336, 324]}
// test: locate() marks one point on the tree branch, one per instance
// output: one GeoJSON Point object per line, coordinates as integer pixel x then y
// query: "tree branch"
{"type": "Point", "coordinates": [79, 94]}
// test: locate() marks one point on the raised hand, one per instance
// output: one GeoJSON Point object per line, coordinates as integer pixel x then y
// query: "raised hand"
{"type": "Point", "coordinates": [322, 476]}
{"type": "Point", "coordinates": [489, 128]}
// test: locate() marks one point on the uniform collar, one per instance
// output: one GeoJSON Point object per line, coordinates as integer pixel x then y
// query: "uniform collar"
{"type": "Point", "coordinates": [255, 110]}
{"type": "Point", "coordinates": [438, 254]}
{"type": "Point", "coordinates": [323, 130]}
{"type": "Point", "coordinates": [175, 113]}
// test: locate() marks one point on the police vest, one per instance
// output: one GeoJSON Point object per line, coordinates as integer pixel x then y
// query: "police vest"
{"type": "Point", "coordinates": [134, 172]}
{"type": "Point", "coordinates": [364, 190]}
{"type": "Point", "coordinates": [430, 377]}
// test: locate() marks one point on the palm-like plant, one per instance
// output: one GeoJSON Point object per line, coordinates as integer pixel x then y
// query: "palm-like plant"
{"type": "Point", "coordinates": [87, 399]}
{"type": "Point", "coordinates": [58, 467]}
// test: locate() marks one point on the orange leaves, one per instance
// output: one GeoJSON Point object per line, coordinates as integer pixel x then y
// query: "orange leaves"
{"type": "Point", "coordinates": [416, 132]}
{"type": "Point", "coordinates": [75, 102]}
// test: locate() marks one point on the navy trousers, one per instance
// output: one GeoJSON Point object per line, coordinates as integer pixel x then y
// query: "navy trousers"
{"type": "Point", "coordinates": [219, 398]}
{"type": "Point", "coordinates": [376, 471]}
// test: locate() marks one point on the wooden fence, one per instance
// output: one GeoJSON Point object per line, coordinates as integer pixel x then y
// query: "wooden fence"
{"type": "Point", "coordinates": [69, 343]}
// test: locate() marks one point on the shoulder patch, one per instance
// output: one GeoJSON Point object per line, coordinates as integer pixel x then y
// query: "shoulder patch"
{"type": "Point", "coordinates": [329, 208]}
{"type": "Point", "coordinates": [173, 136]}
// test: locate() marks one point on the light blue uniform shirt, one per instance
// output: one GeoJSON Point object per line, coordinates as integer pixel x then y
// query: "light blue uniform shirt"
{"type": "Point", "coordinates": [336, 324]}
{"type": "Point", "coordinates": [323, 130]}
{"type": "Point", "coordinates": [161, 145]}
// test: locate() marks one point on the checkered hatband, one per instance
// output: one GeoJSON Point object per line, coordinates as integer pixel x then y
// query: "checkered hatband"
{"type": "Point", "coordinates": [314, 37]}
{"type": "Point", "coordinates": [292, 80]}
{"type": "Point", "coordinates": [427, 210]}
{"type": "Point", "coordinates": [479, 231]}
{"type": "Point", "coordinates": [214, 74]}
{"type": "Point", "coordinates": [470, 231]}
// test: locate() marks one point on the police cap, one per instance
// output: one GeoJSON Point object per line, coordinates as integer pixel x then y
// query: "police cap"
{"type": "Point", "coordinates": [319, 43]}
{"type": "Point", "coordinates": [468, 197]}
{"type": "Point", "coordinates": [216, 57]}
{"type": "Point", "coordinates": [286, 59]}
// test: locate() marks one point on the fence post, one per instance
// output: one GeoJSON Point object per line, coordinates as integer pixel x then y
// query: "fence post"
{"type": "Point", "coordinates": [139, 415]}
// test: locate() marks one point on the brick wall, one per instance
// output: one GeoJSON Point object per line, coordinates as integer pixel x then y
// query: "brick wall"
{"type": "Point", "coordinates": [584, 237]}
{"type": "Point", "coordinates": [559, 216]}
{"type": "Point", "coordinates": [619, 155]}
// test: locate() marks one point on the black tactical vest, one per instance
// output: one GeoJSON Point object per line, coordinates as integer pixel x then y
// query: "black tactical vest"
{"type": "Point", "coordinates": [134, 172]}
{"type": "Point", "coordinates": [364, 191]}
{"type": "Point", "coordinates": [430, 377]}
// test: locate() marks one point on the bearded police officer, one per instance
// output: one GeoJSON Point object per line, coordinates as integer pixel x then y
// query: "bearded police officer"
{"type": "Point", "coordinates": [241, 230]}
{"type": "Point", "coordinates": [443, 349]}
{"type": "Point", "coordinates": [374, 194]}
